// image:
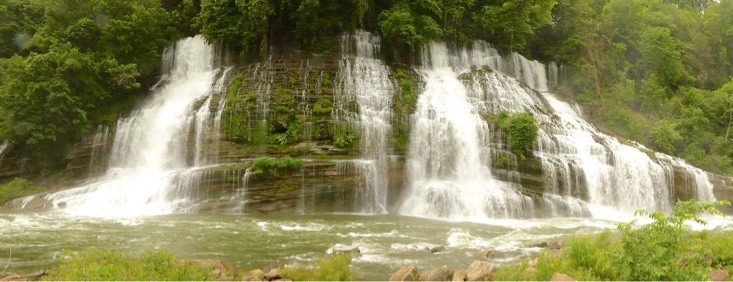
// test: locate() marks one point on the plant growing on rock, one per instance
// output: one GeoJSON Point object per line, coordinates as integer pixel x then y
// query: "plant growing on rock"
{"type": "Point", "coordinates": [272, 166]}
{"type": "Point", "coordinates": [521, 131]}
{"type": "Point", "coordinates": [19, 187]}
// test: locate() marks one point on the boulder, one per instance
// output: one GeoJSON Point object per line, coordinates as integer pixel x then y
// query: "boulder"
{"type": "Point", "coordinates": [459, 275]}
{"type": "Point", "coordinates": [272, 265]}
{"type": "Point", "coordinates": [35, 276]}
{"type": "Point", "coordinates": [561, 277]}
{"type": "Point", "coordinates": [437, 249]}
{"type": "Point", "coordinates": [406, 273]}
{"type": "Point", "coordinates": [719, 275]}
{"type": "Point", "coordinates": [254, 275]}
{"type": "Point", "coordinates": [442, 273]}
{"type": "Point", "coordinates": [489, 253]}
{"type": "Point", "coordinates": [557, 245]}
{"type": "Point", "coordinates": [480, 271]}
{"type": "Point", "coordinates": [273, 274]}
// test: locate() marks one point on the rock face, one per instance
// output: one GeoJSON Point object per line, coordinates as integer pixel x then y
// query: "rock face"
{"type": "Point", "coordinates": [442, 273]}
{"type": "Point", "coordinates": [406, 273]}
{"type": "Point", "coordinates": [480, 271]}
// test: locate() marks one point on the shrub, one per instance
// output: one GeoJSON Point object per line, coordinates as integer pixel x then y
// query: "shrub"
{"type": "Point", "coordinates": [94, 264]}
{"type": "Point", "coordinates": [271, 165]}
{"type": "Point", "coordinates": [521, 131]}
{"type": "Point", "coordinates": [661, 250]}
{"type": "Point", "coordinates": [17, 188]}
{"type": "Point", "coordinates": [322, 107]}
{"type": "Point", "coordinates": [335, 268]}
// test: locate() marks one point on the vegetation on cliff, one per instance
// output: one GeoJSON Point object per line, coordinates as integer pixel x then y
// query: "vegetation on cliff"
{"type": "Point", "coordinates": [17, 188]}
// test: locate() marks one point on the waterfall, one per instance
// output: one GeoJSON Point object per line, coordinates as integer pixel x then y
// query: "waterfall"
{"type": "Point", "coordinates": [365, 79]}
{"type": "Point", "coordinates": [149, 168]}
{"type": "Point", "coordinates": [3, 147]}
{"type": "Point", "coordinates": [449, 172]}
{"type": "Point", "coordinates": [585, 171]}
{"type": "Point", "coordinates": [582, 166]}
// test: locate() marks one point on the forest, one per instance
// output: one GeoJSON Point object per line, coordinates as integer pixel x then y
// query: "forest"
{"type": "Point", "coordinates": [659, 72]}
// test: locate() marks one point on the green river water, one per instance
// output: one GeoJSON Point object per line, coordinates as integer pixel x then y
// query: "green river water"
{"type": "Point", "coordinates": [32, 241]}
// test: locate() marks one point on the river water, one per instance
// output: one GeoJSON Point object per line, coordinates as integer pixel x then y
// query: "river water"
{"type": "Point", "coordinates": [32, 241]}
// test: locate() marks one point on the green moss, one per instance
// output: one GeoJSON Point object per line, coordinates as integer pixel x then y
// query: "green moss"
{"type": "Point", "coordinates": [103, 265]}
{"type": "Point", "coordinates": [335, 268]}
{"type": "Point", "coordinates": [17, 188]}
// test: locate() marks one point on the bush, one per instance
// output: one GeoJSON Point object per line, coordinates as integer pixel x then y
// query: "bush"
{"type": "Point", "coordinates": [521, 131]}
{"type": "Point", "coordinates": [17, 188]}
{"type": "Point", "coordinates": [335, 268]}
{"type": "Point", "coordinates": [661, 250]}
{"type": "Point", "coordinates": [94, 264]}
{"type": "Point", "coordinates": [271, 165]}
{"type": "Point", "coordinates": [322, 107]}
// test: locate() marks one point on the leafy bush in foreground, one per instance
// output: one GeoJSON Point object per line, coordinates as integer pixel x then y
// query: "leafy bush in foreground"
{"type": "Point", "coordinates": [94, 264]}
{"type": "Point", "coordinates": [661, 250]}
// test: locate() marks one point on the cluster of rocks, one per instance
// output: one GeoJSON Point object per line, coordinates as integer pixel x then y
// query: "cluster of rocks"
{"type": "Point", "coordinates": [476, 271]}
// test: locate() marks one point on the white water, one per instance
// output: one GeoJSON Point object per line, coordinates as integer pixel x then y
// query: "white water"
{"type": "Point", "coordinates": [149, 165]}
{"type": "Point", "coordinates": [365, 79]}
{"type": "Point", "coordinates": [584, 169]}
{"type": "Point", "coordinates": [448, 166]}
{"type": "Point", "coordinates": [4, 146]}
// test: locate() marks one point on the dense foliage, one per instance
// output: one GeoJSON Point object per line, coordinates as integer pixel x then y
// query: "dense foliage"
{"type": "Point", "coordinates": [661, 250]}
{"type": "Point", "coordinates": [65, 62]}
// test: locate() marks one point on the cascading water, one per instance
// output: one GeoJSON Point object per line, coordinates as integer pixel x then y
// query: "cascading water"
{"type": "Point", "coordinates": [578, 161]}
{"type": "Point", "coordinates": [448, 166]}
{"type": "Point", "coordinates": [149, 163]}
{"type": "Point", "coordinates": [365, 79]}
{"type": "Point", "coordinates": [3, 147]}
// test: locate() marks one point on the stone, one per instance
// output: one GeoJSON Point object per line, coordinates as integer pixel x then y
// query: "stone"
{"type": "Point", "coordinates": [272, 265]}
{"type": "Point", "coordinates": [61, 205]}
{"type": "Point", "coordinates": [273, 274]}
{"type": "Point", "coordinates": [561, 277]}
{"type": "Point", "coordinates": [539, 245]}
{"type": "Point", "coordinates": [437, 249]}
{"type": "Point", "coordinates": [719, 275]}
{"type": "Point", "coordinates": [489, 253]}
{"type": "Point", "coordinates": [459, 275]}
{"type": "Point", "coordinates": [557, 245]}
{"type": "Point", "coordinates": [254, 275]}
{"type": "Point", "coordinates": [480, 271]}
{"type": "Point", "coordinates": [406, 273]}
{"type": "Point", "coordinates": [442, 273]}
